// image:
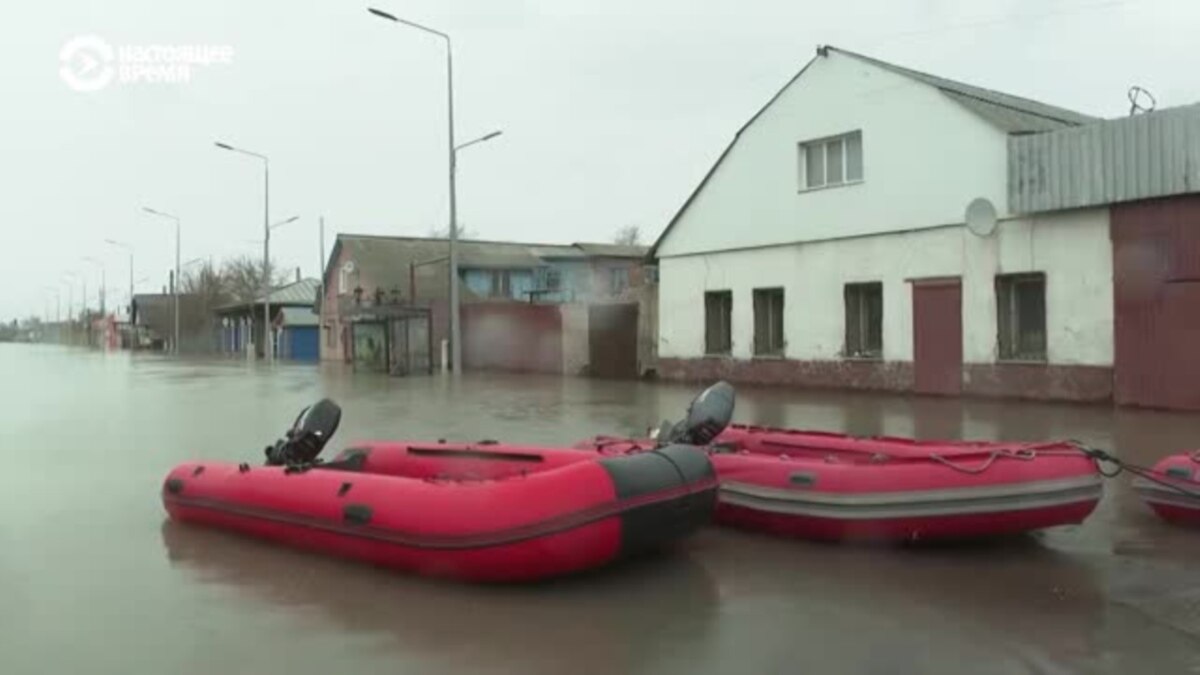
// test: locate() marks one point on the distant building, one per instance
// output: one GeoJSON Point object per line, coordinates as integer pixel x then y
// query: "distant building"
{"type": "Point", "coordinates": [389, 297]}
{"type": "Point", "coordinates": [152, 323]}
{"type": "Point", "coordinates": [827, 247]}
{"type": "Point", "coordinates": [294, 323]}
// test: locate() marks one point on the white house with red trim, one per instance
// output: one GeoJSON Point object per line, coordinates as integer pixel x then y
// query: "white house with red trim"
{"type": "Point", "coordinates": [828, 247]}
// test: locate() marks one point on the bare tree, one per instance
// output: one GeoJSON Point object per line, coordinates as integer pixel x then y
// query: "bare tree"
{"type": "Point", "coordinates": [443, 231]}
{"type": "Point", "coordinates": [630, 235]}
{"type": "Point", "coordinates": [209, 284]}
{"type": "Point", "coordinates": [242, 278]}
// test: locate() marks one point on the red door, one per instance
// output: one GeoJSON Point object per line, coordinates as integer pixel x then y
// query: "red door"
{"type": "Point", "coordinates": [937, 336]}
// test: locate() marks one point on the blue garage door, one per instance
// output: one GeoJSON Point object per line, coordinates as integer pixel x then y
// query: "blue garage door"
{"type": "Point", "coordinates": [302, 343]}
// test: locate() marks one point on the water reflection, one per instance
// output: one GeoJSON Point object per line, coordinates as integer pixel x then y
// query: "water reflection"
{"type": "Point", "coordinates": [89, 589]}
{"type": "Point", "coordinates": [617, 620]}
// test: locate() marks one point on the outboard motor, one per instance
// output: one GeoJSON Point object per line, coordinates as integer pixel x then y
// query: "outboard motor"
{"type": "Point", "coordinates": [707, 416]}
{"type": "Point", "coordinates": [310, 432]}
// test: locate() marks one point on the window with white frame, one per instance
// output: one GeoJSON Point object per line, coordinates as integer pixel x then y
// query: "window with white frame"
{"type": "Point", "coordinates": [346, 276]}
{"type": "Point", "coordinates": [826, 162]}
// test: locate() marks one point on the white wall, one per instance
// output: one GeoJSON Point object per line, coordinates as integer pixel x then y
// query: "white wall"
{"type": "Point", "coordinates": [1072, 248]}
{"type": "Point", "coordinates": [924, 158]}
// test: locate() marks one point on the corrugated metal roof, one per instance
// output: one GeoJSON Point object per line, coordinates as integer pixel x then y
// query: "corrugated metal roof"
{"type": "Point", "coordinates": [1150, 155]}
{"type": "Point", "coordinates": [1006, 119]}
{"type": "Point", "coordinates": [301, 293]}
{"type": "Point", "coordinates": [300, 316]}
{"type": "Point", "coordinates": [1021, 114]}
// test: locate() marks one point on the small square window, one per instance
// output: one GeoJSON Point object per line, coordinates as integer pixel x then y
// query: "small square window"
{"type": "Point", "coordinates": [718, 314]}
{"type": "Point", "coordinates": [768, 321]}
{"type": "Point", "coordinates": [831, 161]}
{"type": "Point", "coordinates": [1021, 317]}
{"type": "Point", "coordinates": [618, 280]}
{"type": "Point", "coordinates": [864, 320]}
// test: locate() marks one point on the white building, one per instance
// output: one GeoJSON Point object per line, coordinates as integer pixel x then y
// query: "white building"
{"type": "Point", "coordinates": [827, 247]}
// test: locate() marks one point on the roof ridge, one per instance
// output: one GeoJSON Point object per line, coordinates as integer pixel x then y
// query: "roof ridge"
{"type": "Point", "coordinates": [446, 239]}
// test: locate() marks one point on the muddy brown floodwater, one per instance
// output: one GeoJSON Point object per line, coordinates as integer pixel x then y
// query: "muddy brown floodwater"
{"type": "Point", "coordinates": [94, 580]}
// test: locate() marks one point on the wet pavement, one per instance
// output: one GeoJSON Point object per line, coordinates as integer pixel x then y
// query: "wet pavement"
{"type": "Point", "coordinates": [94, 580]}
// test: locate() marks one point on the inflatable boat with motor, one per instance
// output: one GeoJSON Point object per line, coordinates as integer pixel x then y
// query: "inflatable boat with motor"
{"type": "Point", "coordinates": [474, 512]}
{"type": "Point", "coordinates": [833, 487]}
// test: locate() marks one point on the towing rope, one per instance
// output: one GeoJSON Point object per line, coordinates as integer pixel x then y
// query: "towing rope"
{"type": "Point", "coordinates": [1147, 473]}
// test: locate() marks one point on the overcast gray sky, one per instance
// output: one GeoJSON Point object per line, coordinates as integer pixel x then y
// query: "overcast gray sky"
{"type": "Point", "coordinates": [612, 111]}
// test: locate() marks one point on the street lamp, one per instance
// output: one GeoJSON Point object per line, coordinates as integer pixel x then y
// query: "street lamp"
{"type": "Point", "coordinates": [69, 278]}
{"type": "Point", "coordinates": [103, 280]}
{"type": "Point", "coordinates": [285, 222]}
{"type": "Point", "coordinates": [129, 249]}
{"type": "Point", "coordinates": [455, 327]}
{"type": "Point", "coordinates": [485, 137]}
{"type": "Point", "coordinates": [175, 286]}
{"type": "Point", "coordinates": [57, 302]}
{"type": "Point", "coordinates": [266, 281]}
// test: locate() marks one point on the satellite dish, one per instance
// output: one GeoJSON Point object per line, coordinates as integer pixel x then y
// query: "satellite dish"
{"type": "Point", "coordinates": [981, 217]}
{"type": "Point", "coordinates": [1140, 100]}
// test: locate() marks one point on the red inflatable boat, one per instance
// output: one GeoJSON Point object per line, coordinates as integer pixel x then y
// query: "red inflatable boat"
{"type": "Point", "coordinates": [1173, 489]}
{"type": "Point", "coordinates": [486, 513]}
{"type": "Point", "coordinates": [831, 486]}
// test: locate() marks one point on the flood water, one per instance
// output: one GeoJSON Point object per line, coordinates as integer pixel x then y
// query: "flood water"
{"type": "Point", "coordinates": [94, 580]}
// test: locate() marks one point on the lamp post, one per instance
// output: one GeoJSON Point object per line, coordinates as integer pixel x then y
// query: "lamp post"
{"type": "Point", "coordinates": [103, 280]}
{"type": "Point", "coordinates": [455, 328]}
{"type": "Point", "coordinates": [68, 280]}
{"type": "Point", "coordinates": [57, 314]}
{"type": "Point", "coordinates": [266, 280]}
{"type": "Point", "coordinates": [175, 286]}
{"type": "Point", "coordinates": [129, 249]}
{"type": "Point", "coordinates": [57, 302]}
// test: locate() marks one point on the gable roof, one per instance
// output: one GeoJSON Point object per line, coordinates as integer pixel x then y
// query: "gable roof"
{"type": "Point", "coordinates": [301, 293]}
{"type": "Point", "coordinates": [1009, 113]}
{"type": "Point", "coordinates": [613, 250]}
{"type": "Point", "coordinates": [387, 258]}
{"type": "Point", "coordinates": [297, 294]}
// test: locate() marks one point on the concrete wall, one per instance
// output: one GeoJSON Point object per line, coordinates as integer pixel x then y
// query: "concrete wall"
{"type": "Point", "coordinates": [332, 339]}
{"type": "Point", "coordinates": [1071, 248]}
{"type": "Point", "coordinates": [647, 329]}
{"type": "Point", "coordinates": [575, 345]}
{"type": "Point", "coordinates": [925, 158]}
{"type": "Point", "coordinates": [512, 336]}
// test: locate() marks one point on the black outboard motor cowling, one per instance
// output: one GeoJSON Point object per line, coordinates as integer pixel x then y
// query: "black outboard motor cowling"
{"type": "Point", "coordinates": [310, 432]}
{"type": "Point", "coordinates": [707, 416]}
